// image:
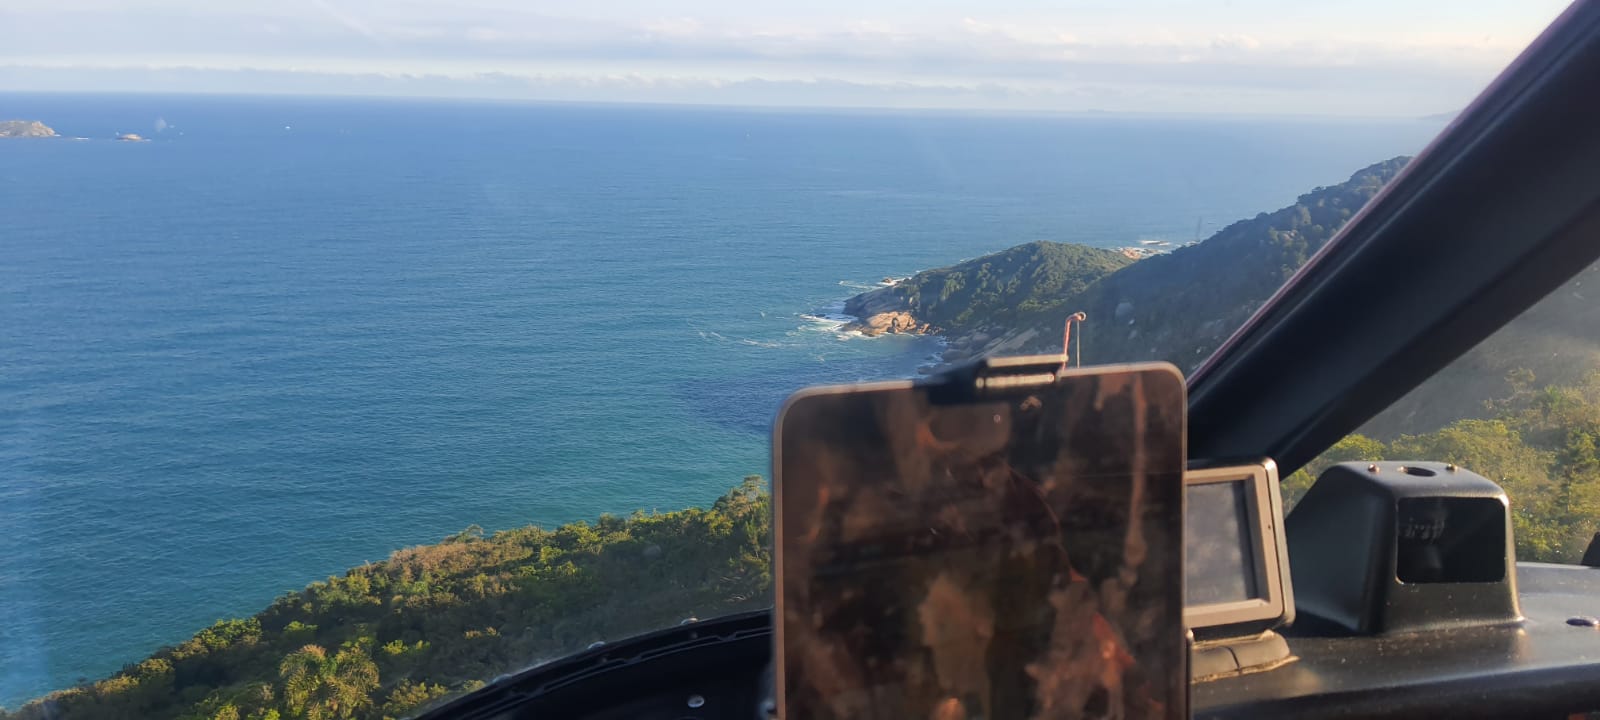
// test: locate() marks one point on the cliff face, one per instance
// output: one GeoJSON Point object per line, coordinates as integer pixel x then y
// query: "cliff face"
{"type": "Point", "coordinates": [25, 129]}
{"type": "Point", "coordinates": [889, 321]}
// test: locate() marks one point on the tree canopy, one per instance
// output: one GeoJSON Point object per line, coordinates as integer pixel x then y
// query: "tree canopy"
{"type": "Point", "coordinates": [388, 638]}
{"type": "Point", "coordinates": [996, 289]}
{"type": "Point", "coordinates": [1540, 446]}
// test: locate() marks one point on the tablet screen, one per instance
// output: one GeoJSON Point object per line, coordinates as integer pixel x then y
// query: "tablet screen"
{"type": "Point", "coordinates": [1016, 555]}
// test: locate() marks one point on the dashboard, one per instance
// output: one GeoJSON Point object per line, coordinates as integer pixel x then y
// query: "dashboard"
{"type": "Point", "coordinates": [1455, 640]}
{"type": "Point", "coordinates": [1542, 666]}
{"type": "Point", "coordinates": [1545, 665]}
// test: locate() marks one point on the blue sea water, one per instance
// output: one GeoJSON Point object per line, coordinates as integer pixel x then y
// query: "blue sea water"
{"type": "Point", "coordinates": [287, 336]}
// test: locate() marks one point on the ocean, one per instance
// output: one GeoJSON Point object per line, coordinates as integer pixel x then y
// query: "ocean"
{"type": "Point", "coordinates": [290, 335]}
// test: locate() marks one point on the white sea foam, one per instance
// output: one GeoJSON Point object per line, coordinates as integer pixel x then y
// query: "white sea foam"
{"type": "Point", "coordinates": [830, 318]}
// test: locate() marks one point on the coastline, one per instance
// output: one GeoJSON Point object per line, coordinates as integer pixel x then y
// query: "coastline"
{"type": "Point", "coordinates": [1003, 303]}
{"type": "Point", "coordinates": [882, 311]}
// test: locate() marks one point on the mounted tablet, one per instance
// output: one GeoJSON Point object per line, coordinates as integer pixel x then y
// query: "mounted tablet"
{"type": "Point", "coordinates": [1005, 541]}
{"type": "Point", "coordinates": [1236, 563]}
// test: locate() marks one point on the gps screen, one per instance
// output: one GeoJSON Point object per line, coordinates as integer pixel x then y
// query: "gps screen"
{"type": "Point", "coordinates": [1221, 561]}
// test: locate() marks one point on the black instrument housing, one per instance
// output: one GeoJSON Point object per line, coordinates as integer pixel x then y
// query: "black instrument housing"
{"type": "Point", "coordinates": [1393, 547]}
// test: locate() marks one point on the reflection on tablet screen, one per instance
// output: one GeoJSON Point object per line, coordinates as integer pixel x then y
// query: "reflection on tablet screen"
{"type": "Point", "coordinates": [1014, 557]}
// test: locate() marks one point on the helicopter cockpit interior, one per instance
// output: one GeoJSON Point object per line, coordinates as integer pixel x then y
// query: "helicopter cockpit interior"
{"type": "Point", "coordinates": [1392, 589]}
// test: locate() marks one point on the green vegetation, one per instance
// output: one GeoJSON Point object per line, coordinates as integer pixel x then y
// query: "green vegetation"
{"type": "Point", "coordinates": [1180, 306]}
{"type": "Point", "coordinates": [1537, 442]}
{"type": "Point", "coordinates": [389, 638]}
{"type": "Point", "coordinates": [1177, 307]}
{"type": "Point", "coordinates": [1542, 446]}
{"type": "Point", "coordinates": [1554, 340]}
{"type": "Point", "coordinates": [997, 289]}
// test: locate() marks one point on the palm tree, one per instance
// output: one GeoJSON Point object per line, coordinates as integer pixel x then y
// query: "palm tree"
{"type": "Point", "coordinates": [317, 687]}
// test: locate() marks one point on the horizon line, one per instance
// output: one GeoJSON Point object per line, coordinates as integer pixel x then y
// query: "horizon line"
{"type": "Point", "coordinates": [747, 107]}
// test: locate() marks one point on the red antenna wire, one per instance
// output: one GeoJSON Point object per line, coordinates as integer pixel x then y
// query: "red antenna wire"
{"type": "Point", "coordinates": [1066, 340]}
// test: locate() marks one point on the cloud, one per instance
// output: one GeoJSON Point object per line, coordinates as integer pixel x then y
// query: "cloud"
{"type": "Point", "coordinates": [750, 91]}
{"type": "Point", "coordinates": [401, 31]}
{"type": "Point", "coordinates": [1057, 64]}
{"type": "Point", "coordinates": [818, 91]}
{"type": "Point", "coordinates": [1235, 42]}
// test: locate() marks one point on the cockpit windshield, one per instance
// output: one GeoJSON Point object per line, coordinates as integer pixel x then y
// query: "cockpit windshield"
{"type": "Point", "coordinates": [1523, 409]}
{"type": "Point", "coordinates": [353, 354]}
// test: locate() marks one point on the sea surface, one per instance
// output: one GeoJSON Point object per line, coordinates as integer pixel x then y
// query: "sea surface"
{"type": "Point", "coordinates": [286, 336]}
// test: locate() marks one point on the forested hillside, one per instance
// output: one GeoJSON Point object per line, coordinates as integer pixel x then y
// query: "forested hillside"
{"type": "Point", "coordinates": [1522, 408]}
{"type": "Point", "coordinates": [388, 638]}
{"type": "Point", "coordinates": [1556, 341]}
{"type": "Point", "coordinates": [1177, 306]}
{"type": "Point", "coordinates": [997, 289]}
{"type": "Point", "coordinates": [1540, 443]}
{"type": "Point", "coordinates": [1180, 306]}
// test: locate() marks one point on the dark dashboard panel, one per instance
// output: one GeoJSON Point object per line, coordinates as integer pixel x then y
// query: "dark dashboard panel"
{"type": "Point", "coordinates": [1541, 667]}
{"type": "Point", "coordinates": [710, 670]}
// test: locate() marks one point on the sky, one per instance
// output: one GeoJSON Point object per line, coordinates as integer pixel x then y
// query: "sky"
{"type": "Point", "coordinates": [1367, 58]}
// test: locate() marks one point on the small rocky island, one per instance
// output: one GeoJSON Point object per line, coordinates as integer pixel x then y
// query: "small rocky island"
{"type": "Point", "coordinates": [25, 129]}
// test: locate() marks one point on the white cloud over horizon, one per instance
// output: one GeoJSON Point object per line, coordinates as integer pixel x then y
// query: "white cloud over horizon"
{"type": "Point", "coordinates": [1362, 57]}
